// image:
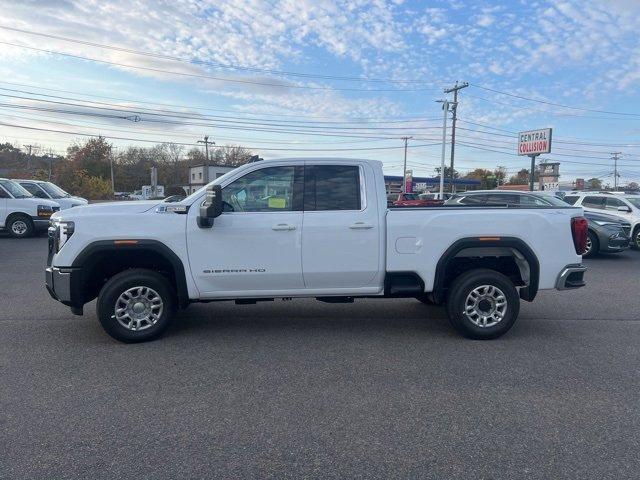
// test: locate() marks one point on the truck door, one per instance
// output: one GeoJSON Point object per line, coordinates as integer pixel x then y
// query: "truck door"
{"type": "Point", "coordinates": [254, 246]}
{"type": "Point", "coordinates": [341, 233]}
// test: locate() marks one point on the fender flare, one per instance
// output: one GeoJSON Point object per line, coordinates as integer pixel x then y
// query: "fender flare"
{"type": "Point", "coordinates": [527, 293]}
{"type": "Point", "coordinates": [87, 258]}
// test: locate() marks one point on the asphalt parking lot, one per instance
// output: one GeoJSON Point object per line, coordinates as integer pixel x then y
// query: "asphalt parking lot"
{"type": "Point", "coordinates": [301, 389]}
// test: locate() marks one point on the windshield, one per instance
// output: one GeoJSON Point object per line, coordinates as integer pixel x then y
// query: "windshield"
{"type": "Point", "coordinates": [635, 201]}
{"type": "Point", "coordinates": [54, 191]}
{"type": "Point", "coordinates": [16, 190]}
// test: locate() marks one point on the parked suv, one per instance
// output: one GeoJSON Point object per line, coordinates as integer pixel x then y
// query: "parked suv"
{"type": "Point", "coordinates": [626, 207]}
{"type": "Point", "coordinates": [20, 213]}
{"type": "Point", "coordinates": [42, 189]}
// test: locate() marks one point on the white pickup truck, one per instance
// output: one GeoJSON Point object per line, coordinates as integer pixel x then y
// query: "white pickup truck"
{"type": "Point", "coordinates": [308, 228]}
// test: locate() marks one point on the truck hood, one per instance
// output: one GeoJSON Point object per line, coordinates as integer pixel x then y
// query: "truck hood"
{"type": "Point", "coordinates": [107, 208]}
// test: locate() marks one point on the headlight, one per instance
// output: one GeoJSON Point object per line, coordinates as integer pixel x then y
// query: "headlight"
{"type": "Point", "coordinates": [45, 211]}
{"type": "Point", "coordinates": [59, 233]}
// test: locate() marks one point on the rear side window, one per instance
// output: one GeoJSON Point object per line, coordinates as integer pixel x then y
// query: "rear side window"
{"type": "Point", "coordinates": [34, 190]}
{"type": "Point", "coordinates": [571, 199]}
{"type": "Point", "coordinates": [502, 199]}
{"type": "Point", "coordinates": [332, 187]}
{"type": "Point", "coordinates": [472, 200]}
{"type": "Point", "coordinates": [3, 194]}
{"type": "Point", "coordinates": [593, 202]}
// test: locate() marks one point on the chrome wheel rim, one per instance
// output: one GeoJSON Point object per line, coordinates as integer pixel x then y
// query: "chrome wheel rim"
{"type": "Point", "coordinates": [138, 308]}
{"type": "Point", "coordinates": [589, 246]}
{"type": "Point", "coordinates": [638, 238]}
{"type": "Point", "coordinates": [19, 227]}
{"type": "Point", "coordinates": [485, 306]}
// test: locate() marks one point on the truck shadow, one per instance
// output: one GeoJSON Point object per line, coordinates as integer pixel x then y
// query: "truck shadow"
{"type": "Point", "coordinates": [381, 317]}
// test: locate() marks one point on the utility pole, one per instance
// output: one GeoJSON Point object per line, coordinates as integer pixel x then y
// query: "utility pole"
{"type": "Point", "coordinates": [404, 171]}
{"type": "Point", "coordinates": [445, 109]}
{"type": "Point", "coordinates": [113, 183]}
{"type": "Point", "coordinates": [615, 156]}
{"type": "Point", "coordinates": [29, 155]}
{"type": "Point", "coordinates": [454, 108]}
{"type": "Point", "coordinates": [206, 163]}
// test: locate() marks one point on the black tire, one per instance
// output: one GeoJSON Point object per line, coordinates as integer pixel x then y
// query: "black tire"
{"type": "Point", "coordinates": [20, 226]}
{"type": "Point", "coordinates": [156, 285]}
{"type": "Point", "coordinates": [635, 239]}
{"type": "Point", "coordinates": [459, 292]}
{"type": "Point", "coordinates": [593, 245]}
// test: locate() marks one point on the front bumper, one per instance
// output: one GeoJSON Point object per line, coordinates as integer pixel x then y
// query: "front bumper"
{"type": "Point", "coordinates": [571, 277]}
{"type": "Point", "coordinates": [616, 244]}
{"type": "Point", "coordinates": [60, 285]}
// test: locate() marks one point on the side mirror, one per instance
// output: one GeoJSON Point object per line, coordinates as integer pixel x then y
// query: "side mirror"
{"type": "Point", "coordinates": [212, 206]}
{"type": "Point", "coordinates": [624, 208]}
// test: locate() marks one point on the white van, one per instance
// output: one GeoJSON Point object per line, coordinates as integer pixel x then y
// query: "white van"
{"type": "Point", "coordinates": [48, 190]}
{"type": "Point", "coordinates": [21, 214]}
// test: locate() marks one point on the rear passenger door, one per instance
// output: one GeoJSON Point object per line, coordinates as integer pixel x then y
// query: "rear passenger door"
{"type": "Point", "coordinates": [341, 230]}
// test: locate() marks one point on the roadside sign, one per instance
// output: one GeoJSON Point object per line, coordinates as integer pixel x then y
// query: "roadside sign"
{"type": "Point", "coordinates": [409, 181]}
{"type": "Point", "coordinates": [534, 142]}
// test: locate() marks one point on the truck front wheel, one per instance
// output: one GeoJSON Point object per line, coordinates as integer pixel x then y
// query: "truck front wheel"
{"type": "Point", "coordinates": [136, 305]}
{"type": "Point", "coordinates": [482, 304]}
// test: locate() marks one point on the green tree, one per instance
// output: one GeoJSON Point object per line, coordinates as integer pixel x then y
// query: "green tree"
{"type": "Point", "coordinates": [92, 156]}
{"type": "Point", "coordinates": [594, 184]}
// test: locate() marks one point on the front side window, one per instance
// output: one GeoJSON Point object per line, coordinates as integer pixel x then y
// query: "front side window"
{"type": "Point", "coordinates": [593, 202]}
{"type": "Point", "coordinates": [34, 190]}
{"type": "Point", "coordinates": [332, 187]}
{"type": "Point", "coordinates": [614, 203]}
{"type": "Point", "coordinates": [265, 190]}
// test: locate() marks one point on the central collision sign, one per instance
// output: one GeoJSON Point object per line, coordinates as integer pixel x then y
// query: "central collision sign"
{"type": "Point", "coordinates": [534, 142]}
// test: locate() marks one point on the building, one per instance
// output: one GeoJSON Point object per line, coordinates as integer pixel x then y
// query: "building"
{"type": "Point", "coordinates": [393, 183]}
{"type": "Point", "coordinates": [197, 177]}
{"type": "Point", "coordinates": [549, 175]}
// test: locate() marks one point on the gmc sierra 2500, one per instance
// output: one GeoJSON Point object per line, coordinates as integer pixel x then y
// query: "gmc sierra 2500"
{"type": "Point", "coordinates": [308, 228]}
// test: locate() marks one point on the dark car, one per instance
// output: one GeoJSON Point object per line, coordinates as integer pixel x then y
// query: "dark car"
{"type": "Point", "coordinates": [607, 234]}
{"type": "Point", "coordinates": [508, 198]}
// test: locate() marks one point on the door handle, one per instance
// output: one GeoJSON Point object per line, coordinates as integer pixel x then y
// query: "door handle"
{"type": "Point", "coordinates": [283, 226]}
{"type": "Point", "coordinates": [360, 226]}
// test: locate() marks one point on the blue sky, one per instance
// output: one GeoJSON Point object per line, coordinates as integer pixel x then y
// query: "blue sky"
{"type": "Point", "coordinates": [397, 55]}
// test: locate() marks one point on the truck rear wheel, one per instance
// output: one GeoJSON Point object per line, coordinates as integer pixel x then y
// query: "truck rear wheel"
{"type": "Point", "coordinates": [482, 304]}
{"type": "Point", "coordinates": [136, 305]}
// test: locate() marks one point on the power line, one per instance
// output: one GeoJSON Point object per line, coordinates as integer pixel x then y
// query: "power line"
{"type": "Point", "coordinates": [199, 107]}
{"type": "Point", "coordinates": [193, 144]}
{"type": "Point", "coordinates": [416, 120]}
{"type": "Point", "coordinates": [547, 102]}
{"type": "Point", "coordinates": [210, 77]}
